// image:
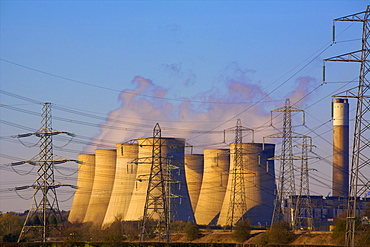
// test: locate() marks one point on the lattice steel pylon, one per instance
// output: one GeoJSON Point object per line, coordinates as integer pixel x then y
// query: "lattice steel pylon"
{"type": "Point", "coordinates": [303, 210]}
{"type": "Point", "coordinates": [360, 163]}
{"type": "Point", "coordinates": [286, 180]}
{"type": "Point", "coordinates": [157, 198]}
{"type": "Point", "coordinates": [237, 206]}
{"type": "Point", "coordinates": [44, 214]}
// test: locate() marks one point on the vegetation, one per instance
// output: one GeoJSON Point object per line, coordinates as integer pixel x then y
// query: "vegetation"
{"type": "Point", "coordinates": [10, 227]}
{"type": "Point", "coordinates": [119, 231]}
{"type": "Point", "coordinates": [362, 226]}
{"type": "Point", "coordinates": [279, 233]}
{"type": "Point", "coordinates": [339, 231]}
{"type": "Point", "coordinates": [178, 226]}
{"type": "Point", "coordinates": [192, 231]}
{"type": "Point", "coordinates": [242, 231]}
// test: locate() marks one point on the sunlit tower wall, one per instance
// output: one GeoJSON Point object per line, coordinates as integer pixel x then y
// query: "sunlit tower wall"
{"type": "Point", "coordinates": [194, 166]}
{"type": "Point", "coordinates": [124, 182]}
{"type": "Point", "coordinates": [340, 147]}
{"type": "Point", "coordinates": [214, 183]}
{"type": "Point", "coordinates": [173, 151]}
{"type": "Point", "coordinates": [105, 169]}
{"type": "Point", "coordinates": [85, 181]}
{"type": "Point", "coordinates": [259, 179]}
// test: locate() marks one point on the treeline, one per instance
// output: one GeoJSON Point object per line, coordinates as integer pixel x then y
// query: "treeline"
{"type": "Point", "coordinates": [121, 233]}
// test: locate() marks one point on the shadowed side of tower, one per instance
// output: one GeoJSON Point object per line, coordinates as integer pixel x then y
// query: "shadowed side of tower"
{"type": "Point", "coordinates": [124, 182]}
{"type": "Point", "coordinates": [105, 169]}
{"type": "Point", "coordinates": [214, 183]}
{"type": "Point", "coordinates": [85, 181]}
{"type": "Point", "coordinates": [194, 164]}
{"type": "Point", "coordinates": [259, 184]}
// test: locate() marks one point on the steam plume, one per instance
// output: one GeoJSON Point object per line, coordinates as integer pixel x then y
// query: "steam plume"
{"type": "Point", "coordinates": [192, 118]}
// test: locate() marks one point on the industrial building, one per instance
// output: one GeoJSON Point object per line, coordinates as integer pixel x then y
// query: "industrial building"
{"type": "Point", "coordinates": [113, 183]}
{"type": "Point", "coordinates": [259, 183]}
{"type": "Point", "coordinates": [326, 209]}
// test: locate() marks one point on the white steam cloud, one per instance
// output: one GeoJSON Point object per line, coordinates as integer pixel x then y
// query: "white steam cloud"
{"type": "Point", "coordinates": [200, 119]}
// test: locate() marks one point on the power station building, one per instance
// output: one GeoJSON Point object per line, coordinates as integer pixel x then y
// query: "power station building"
{"type": "Point", "coordinates": [112, 184]}
{"type": "Point", "coordinates": [259, 183]}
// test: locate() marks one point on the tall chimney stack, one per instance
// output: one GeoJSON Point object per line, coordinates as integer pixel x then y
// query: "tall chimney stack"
{"type": "Point", "coordinates": [340, 147]}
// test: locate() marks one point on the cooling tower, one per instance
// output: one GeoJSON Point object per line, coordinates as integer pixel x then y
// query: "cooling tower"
{"type": "Point", "coordinates": [259, 179]}
{"type": "Point", "coordinates": [105, 168]}
{"type": "Point", "coordinates": [172, 153]}
{"type": "Point", "coordinates": [124, 182]}
{"type": "Point", "coordinates": [85, 181]}
{"type": "Point", "coordinates": [212, 192]}
{"type": "Point", "coordinates": [194, 175]}
{"type": "Point", "coordinates": [340, 147]}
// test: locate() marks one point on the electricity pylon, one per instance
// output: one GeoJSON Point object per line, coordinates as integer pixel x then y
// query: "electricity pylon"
{"type": "Point", "coordinates": [286, 182]}
{"type": "Point", "coordinates": [44, 213]}
{"type": "Point", "coordinates": [238, 206]}
{"type": "Point", "coordinates": [158, 193]}
{"type": "Point", "coordinates": [303, 209]}
{"type": "Point", "coordinates": [359, 180]}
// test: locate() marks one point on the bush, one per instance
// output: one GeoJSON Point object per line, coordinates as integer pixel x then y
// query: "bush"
{"type": "Point", "coordinates": [178, 226]}
{"type": "Point", "coordinates": [339, 231]}
{"type": "Point", "coordinates": [280, 233]}
{"type": "Point", "coordinates": [242, 231]}
{"type": "Point", "coordinates": [192, 231]}
{"type": "Point", "coordinates": [10, 227]}
{"type": "Point", "coordinates": [131, 230]}
{"type": "Point", "coordinates": [262, 239]}
{"type": "Point", "coordinates": [76, 232]}
{"type": "Point", "coordinates": [10, 238]}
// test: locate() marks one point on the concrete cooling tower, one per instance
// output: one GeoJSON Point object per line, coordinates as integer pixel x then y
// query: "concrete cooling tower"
{"type": "Point", "coordinates": [85, 181]}
{"type": "Point", "coordinates": [105, 169]}
{"type": "Point", "coordinates": [194, 174]}
{"type": "Point", "coordinates": [259, 184]}
{"type": "Point", "coordinates": [340, 147]}
{"type": "Point", "coordinates": [172, 152]}
{"type": "Point", "coordinates": [124, 182]}
{"type": "Point", "coordinates": [212, 192]}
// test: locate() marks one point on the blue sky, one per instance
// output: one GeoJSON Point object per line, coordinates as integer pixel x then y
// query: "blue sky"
{"type": "Point", "coordinates": [188, 65]}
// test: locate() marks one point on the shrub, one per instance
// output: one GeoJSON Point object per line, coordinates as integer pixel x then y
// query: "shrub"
{"type": "Point", "coordinates": [178, 226]}
{"type": "Point", "coordinates": [280, 233]}
{"type": "Point", "coordinates": [192, 231]}
{"type": "Point", "coordinates": [242, 231]}
{"type": "Point", "coordinates": [131, 230]}
{"type": "Point", "coordinates": [262, 239]}
{"type": "Point", "coordinates": [339, 231]}
{"type": "Point", "coordinates": [10, 238]}
{"type": "Point", "coordinates": [10, 227]}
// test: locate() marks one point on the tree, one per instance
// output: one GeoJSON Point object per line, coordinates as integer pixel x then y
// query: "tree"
{"type": "Point", "coordinates": [192, 231]}
{"type": "Point", "coordinates": [113, 235]}
{"type": "Point", "coordinates": [178, 226]}
{"type": "Point", "coordinates": [10, 226]}
{"type": "Point", "coordinates": [280, 233]}
{"type": "Point", "coordinates": [10, 237]}
{"type": "Point", "coordinates": [53, 220]}
{"type": "Point", "coordinates": [242, 231]}
{"type": "Point", "coordinates": [131, 230]}
{"type": "Point", "coordinates": [339, 230]}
